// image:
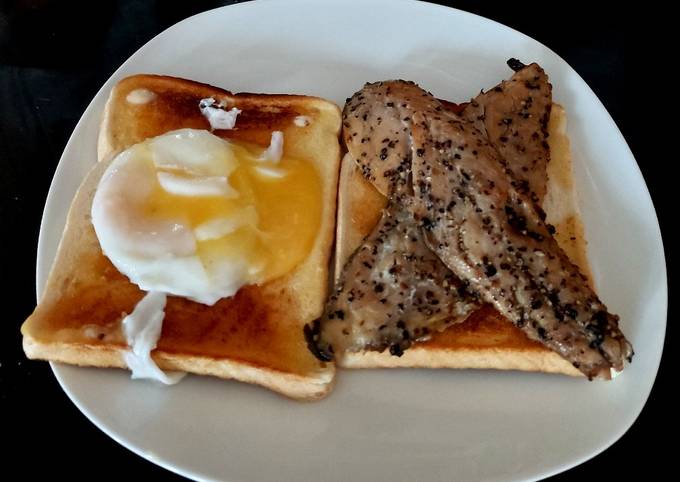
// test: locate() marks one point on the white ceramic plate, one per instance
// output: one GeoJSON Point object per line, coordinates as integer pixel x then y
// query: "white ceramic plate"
{"type": "Point", "coordinates": [400, 424]}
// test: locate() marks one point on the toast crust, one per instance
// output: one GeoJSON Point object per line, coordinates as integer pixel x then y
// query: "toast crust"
{"type": "Point", "coordinates": [299, 387]}
{"type": "Point", "coordinates": [256, 335]}
{"type": "Point", "coordinates": [485, 339]}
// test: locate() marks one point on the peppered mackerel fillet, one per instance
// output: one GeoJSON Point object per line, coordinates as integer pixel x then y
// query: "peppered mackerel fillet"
{"type": "Point", "coordinates": [493, 236]}
{"type": "Point", "coordinates": [377, 129]}
{"type": "Point", "coordinates": [469, 186]}
{"type": "Point", "coordinates": [393, 290]}
{"type": "Point", "coordinates": [514, 116]}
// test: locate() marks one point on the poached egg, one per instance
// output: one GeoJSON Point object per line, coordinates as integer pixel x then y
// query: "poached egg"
{"type": "Point", "coordinates": [193, 215]}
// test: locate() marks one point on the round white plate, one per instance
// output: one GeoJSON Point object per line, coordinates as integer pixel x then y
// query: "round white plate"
{"type": "Point", "coordinates": [399, 424]}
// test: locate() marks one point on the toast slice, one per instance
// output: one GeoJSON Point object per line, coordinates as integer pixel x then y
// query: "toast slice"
{"type": "Point", "coordinates": [256, 336]}
{"type": "Point", "coordinates": [485, 339]}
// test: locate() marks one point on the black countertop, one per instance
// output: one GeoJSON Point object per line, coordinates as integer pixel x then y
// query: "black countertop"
{"type": "Point", "coordinates": [54, 56]}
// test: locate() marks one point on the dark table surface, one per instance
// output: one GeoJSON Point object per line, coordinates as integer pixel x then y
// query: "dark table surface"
{"type": "Point", "coordinates": [54, 56]}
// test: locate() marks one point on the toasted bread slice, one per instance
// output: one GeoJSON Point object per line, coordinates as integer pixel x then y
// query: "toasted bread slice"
{"type": "Point", "coordinates": [255, 336]}
{"type": "Point", "coordinates": [485, 339]}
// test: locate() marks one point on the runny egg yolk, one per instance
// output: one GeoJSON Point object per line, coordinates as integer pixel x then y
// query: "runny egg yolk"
{"type": "Point", "coordinates": [272, 221]}
{"type": "Point", "coordinates": [193, 215]}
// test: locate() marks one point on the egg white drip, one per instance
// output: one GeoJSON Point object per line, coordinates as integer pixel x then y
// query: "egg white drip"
{"type": "Point", "coordinates": [142, 329]}
{"type": "Point", "coordinates": [302, 121]}
{"type": "Point", "coordinates": [140, 96]}
{"type": "Point", "coordinates": [274, 152]}
{"type": "Point", "coordinates": [161, 254]}
{"type": "Point", "coordinates": [217, 116]}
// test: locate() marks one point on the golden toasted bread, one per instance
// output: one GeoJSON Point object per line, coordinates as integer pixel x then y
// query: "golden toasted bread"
{"type": "Point", "coordinates": [255, 336]}
{"type": "Point", "coordinates": [485, 339]}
